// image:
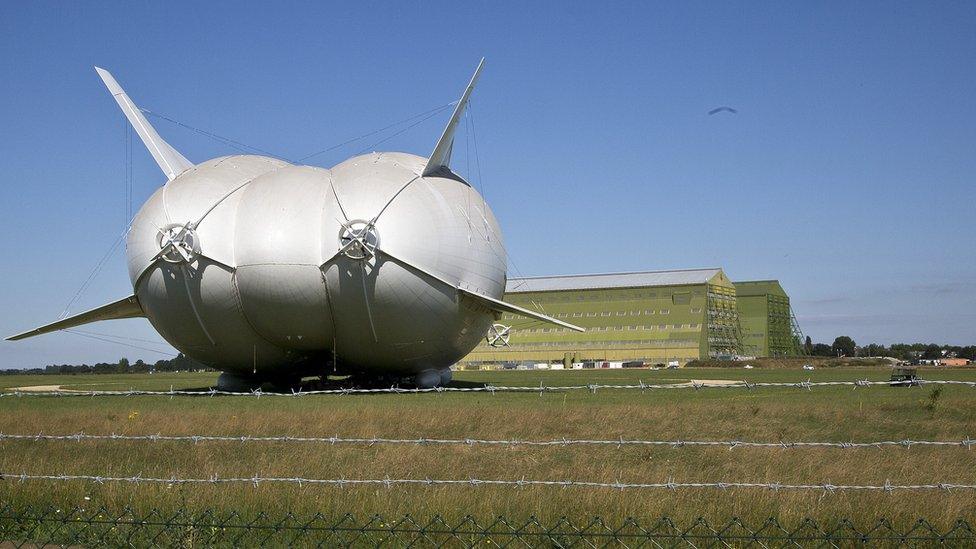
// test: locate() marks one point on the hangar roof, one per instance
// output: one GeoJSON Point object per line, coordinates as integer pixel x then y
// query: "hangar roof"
{"type": "Point", "coordinates": [612, 280]}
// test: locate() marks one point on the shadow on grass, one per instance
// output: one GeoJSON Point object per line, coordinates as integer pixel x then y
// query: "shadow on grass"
{"type": "Point", "coordinates": [338, 385]}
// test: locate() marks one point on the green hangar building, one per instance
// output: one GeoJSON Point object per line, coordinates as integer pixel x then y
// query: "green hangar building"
{"type": "Point", "coordinates": [656, 317]}
{"type": "Point", "coordinates": [769, 327]}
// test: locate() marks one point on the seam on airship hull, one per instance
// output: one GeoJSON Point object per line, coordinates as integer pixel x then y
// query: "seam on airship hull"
{"type": "Point", "coordinates": [299, 321]}
{"type": "Point", "coordinates": [238, 301]}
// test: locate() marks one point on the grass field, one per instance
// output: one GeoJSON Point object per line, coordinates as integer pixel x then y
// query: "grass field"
{"type": "Point", "coordinates": [821, 414]}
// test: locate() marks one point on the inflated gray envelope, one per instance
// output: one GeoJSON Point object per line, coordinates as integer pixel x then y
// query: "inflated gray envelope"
{"type": "Point", "coordinates": [388, 265]}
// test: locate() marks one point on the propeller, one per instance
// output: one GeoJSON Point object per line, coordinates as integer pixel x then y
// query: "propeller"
{"type": "Point", "coordinates": [179, 244]}
{"type": "Point", "coordinates": [498, 335]}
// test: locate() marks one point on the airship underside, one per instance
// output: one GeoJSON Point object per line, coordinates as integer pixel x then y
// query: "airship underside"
{"type": "Point", "coordinates": [388, 265]}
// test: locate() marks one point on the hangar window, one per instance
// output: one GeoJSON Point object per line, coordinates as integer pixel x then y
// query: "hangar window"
{"type": "Point", "coordinates": [621, 313]}
{"type": "Point", "coordinates": [591, 314]}
{"type": "Point", "coordinates": [665, 311]}
{"type": "Point", "coordinates": [648, 312]}
{"type": "Point", "coordinates": [696, 309]}
{"type": "Point", "coordinates": [576, 315]}
{"type": "Point", "coordinates": [605, 313]}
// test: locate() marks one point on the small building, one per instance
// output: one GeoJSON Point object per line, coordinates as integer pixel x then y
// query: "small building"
{"type": "Point", "coordinates": [954, 361]}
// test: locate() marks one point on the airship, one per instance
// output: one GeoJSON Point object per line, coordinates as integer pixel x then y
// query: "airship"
{"type": "Point", "coordinates": [388, 267]}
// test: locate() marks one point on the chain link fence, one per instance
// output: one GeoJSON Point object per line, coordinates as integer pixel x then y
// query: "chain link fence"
{"type": "Point", "coordinates": [38, 527]}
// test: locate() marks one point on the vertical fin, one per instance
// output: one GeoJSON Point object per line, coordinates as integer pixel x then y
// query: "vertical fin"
{"type": "Point", "coordinates": [170, 161]}
{"type": "Point", "coordinates": [441, 156]}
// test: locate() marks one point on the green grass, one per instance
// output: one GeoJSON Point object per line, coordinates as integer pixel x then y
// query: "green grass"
{"type": "Point", "coordinates": [823, 413]}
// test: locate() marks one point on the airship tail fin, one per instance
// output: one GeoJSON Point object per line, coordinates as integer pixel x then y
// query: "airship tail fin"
{"type": "Point", "coordinates": [124, 308]}
{"type": "Point", "coordinates": [170, 161]}
{"type": "Point", "coordinates": [441, 157]}
{"type": "Point", "coordinates": [502, 306]}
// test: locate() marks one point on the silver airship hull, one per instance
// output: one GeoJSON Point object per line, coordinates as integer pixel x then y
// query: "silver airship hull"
{"type": "Point", "coordinates": [388, 265]}
{"type": "Point", "coordinates": [265, 289]}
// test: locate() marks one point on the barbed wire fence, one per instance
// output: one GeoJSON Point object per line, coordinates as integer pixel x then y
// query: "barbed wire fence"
{"type": "Point", "coordinates": [38, 527]}
{"type": "Point", "coordinates": [491, 389]}
{"type": "Point", "coordinates": [621, 442]}
{"type": "Point", "coordinates": [47, 526]}
{"type": "Point", "coordinates": [388, 482]}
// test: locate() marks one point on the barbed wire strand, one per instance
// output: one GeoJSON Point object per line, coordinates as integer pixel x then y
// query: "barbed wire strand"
{"type": "Point", "coordinates": [422, 441]}
{"type": "Point", "coordinates": [541, 389]}
{"type": "Point", "coordinates": [522, 482]}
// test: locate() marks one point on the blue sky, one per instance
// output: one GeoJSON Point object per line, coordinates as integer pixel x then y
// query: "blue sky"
{"type": "Point", "coordinates": [848, 172]}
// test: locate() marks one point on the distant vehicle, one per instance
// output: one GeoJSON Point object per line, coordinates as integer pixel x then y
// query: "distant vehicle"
{"type": "Point", "coordinates": [672, 364]}
{"type": "Point", "coordinates": [904, 377]}
{"type": "Point", "coordinates": [748, 366]}
{"type": "Point", "coordinates": [808, 367]}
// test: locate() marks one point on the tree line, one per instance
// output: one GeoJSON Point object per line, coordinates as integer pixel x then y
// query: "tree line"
{"type": "Point", "coordinates": [845, 346]}
{"type": "Point", "coordinates": [180, 363]}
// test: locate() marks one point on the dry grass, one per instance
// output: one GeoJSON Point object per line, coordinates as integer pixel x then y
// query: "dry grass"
{"type": "Point", "coordinates": [835, 414]}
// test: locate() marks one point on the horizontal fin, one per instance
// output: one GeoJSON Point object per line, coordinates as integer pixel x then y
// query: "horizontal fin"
{"type": "Point", "coordinates": [441, 156]}
{"type": "Point", "coordinates": [490, 302]}
{"type": "Point", "coordinates": [170, 161]}
{"type": "Point", "coordinates": [124, 308]}
{"type": "Point", "coordinates": [500, 305]}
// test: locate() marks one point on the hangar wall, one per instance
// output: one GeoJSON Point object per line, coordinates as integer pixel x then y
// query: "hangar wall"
{"type": "Point", "coordinates": [655, 317]}
{"type": "Point", "coordinates": [769, 327]}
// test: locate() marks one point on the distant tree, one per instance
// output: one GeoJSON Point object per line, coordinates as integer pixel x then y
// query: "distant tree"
{"type": "Point", "coordinates": [822, 349]}
{"type": "Point", "coordinates": [844, 346]}
{"type": "Point", "coordinates": [874, 350]}
{"type": "Point", "coordinates": [808, 346]}
{"type": "Point", "coordinates": [932, 352]}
